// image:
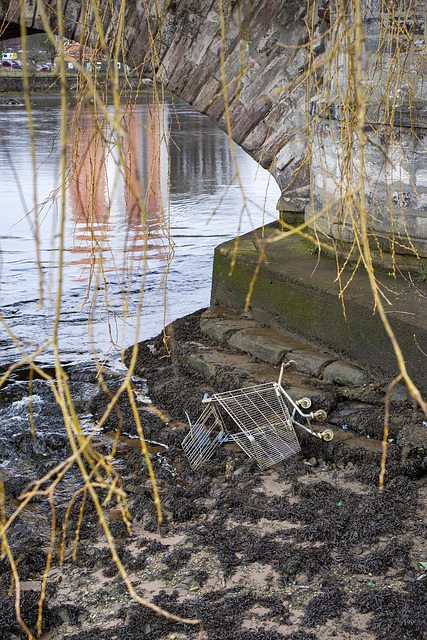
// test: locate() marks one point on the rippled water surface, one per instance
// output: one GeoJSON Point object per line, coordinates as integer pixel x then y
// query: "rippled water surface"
{"type": "Point", "coordinates": [179, 165]}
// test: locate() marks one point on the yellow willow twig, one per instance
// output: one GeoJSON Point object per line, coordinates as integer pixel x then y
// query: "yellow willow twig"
{"type": "Point", "coordinates": [145, 452]}
{"type": "Point", "coordinates": [60, 470]}
{"type": "Point", "coordinates": [57, 473]}
{"type": "Point", "coordinates": [66, 518]}
{"type": "Point", "coordinates": [48, 563]}
{"type": "Point", "coordinates": [91, 489]}
{"type": "Point", "coordinates": [79, 523]}
{"type": "Point", "coordinates": [26, 87]}
{"type": "Point", "coordinates": [26, 359]}
{"type": "Point", "coordinates": [110, 540]}
{"type": "Point", "coordinates": [90, 85]}
{"type": "Point", "coordinates": [5, 549]}
{"type": "Point", "coordinates": [228, 120]}
{"type": "Point", "coordinates": [319, 64]}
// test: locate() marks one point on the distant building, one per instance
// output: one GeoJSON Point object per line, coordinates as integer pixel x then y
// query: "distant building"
{"type": "Point", "coordinates": [89, 58]}
{"type": "Point", "coordinates": [82, 55]}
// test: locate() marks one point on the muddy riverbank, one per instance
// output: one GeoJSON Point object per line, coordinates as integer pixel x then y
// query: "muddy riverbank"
{"type": "Point", "coordinates": [309, 549]}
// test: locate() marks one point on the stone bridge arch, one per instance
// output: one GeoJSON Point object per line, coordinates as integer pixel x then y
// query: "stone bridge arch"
{"type": "Point", "coordinates": [262, 45]}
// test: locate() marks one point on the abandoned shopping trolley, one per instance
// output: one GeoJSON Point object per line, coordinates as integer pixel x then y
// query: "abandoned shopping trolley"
{"type": "Point", "coordinates": [260, 419]}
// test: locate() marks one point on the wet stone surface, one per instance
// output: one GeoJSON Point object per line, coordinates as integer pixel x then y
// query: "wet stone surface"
{"type": "Point", "coordinates": [309, 549]}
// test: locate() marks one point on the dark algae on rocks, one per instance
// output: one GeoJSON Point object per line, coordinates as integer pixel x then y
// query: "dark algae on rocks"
{"type": "Point", "coordinates": [309, 549]}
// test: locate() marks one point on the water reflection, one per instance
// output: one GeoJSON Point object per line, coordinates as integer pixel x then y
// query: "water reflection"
{"type": "Point", "coordinates": [118, 184]}
{"type": "Point", "coordinates": [119, 187]}
{"type": "Point", "coordinates": [132, 200]}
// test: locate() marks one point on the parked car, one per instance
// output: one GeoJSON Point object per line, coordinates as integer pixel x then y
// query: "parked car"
{"type": "Point", "coordinates": [43, 67]}
{"type": "Point", "coordinates": [11, 63]}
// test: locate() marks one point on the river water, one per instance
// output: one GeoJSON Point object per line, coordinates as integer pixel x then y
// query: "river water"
{"type": "Point", "coordinates": [178, 163]}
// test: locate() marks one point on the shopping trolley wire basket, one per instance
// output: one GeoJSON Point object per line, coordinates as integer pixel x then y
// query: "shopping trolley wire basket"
{"type": "Point", "coordinates": [262, 424]}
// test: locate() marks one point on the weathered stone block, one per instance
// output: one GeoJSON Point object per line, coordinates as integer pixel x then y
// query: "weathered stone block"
{"type": "Point", "coordinates": [279, 113]}
{"type": "Point", "coordinates": [260, 85]}
{"type": "Point", "coordinates": [284, 157]}
{"type": "Point", "coordinates": [207, 369]}
{"type": "Point", "coordinates": [290, 15]}
{"type": "Point", "coordinates": [263, 317]}
{"type": "Point", "coordinates": [249, 120]}
{"type": "Point", "coordinates": [253, 143]}
{"type": "Point", "coordinates": [236, 111]}
{"type": "Point", "coordinates": [220, 312]}
{"type": "Point", "coordinates": [295, 175]}
{"type": "Point", "coordinates": [344, 373]}
{"type": "Point", "coordinates": [206, 40]}
{"type": "Point", "coordinates": [181, 76]}
{"type": "Point", "coordinates": [190, 24]}
{"type": "Point", "coordinates": [216, 109]}
{"type": "Point", "coordinates": [221, 330]}
{"type": "Point", "coordinates": [264, 15]}
{"type": "Point", "coordinates": [200, 78]}
{"type": "Point", "coordinates": [400, 393]}
{"type": "Point", "coordinates": [263, 343]}
{"type": "Point", "coordinates": [268, 40]}
{"type": "Point", "coordinates": [173, 57]}
{"type": "Point", "coordinates": [206, 95]}
{"type": "Point", "coordinates": [421, 178]}
{"type": "Point", "coordinates": [311, 361]}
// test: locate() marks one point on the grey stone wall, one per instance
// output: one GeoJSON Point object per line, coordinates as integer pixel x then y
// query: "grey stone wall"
{"type": "Point", "coordinates": [394, 167]}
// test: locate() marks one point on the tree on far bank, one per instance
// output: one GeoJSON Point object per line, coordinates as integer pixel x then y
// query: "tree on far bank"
{"type": "Point", "coordinates": [40, 49]}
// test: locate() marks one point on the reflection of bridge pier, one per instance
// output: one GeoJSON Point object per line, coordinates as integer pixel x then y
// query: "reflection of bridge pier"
{"type": "Point", "coordinates": [116, 193]}
{"type": "Point", "coordinates": [147, 166]}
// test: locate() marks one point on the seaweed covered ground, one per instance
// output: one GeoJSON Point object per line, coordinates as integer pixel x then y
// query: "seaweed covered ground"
{"type": "Point", "coordinates": [309, 549]}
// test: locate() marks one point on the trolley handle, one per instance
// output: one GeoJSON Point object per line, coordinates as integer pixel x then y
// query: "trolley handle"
{"type": "Point", "coordinates": [287, 366]}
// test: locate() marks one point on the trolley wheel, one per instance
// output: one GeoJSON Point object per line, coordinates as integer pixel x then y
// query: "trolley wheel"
{"type": "Point", "coordinates": [290, 366]}
{"type": "Point", "coordinates": [320, 415]}
{"type": "Point", "coordinates": [305, 403]}
{"type": "Point", "coordinates": [327, 435]}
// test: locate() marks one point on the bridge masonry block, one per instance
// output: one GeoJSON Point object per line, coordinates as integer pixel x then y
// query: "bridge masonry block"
{"type": "Point", "coordinates": [205, 95]}
{"type": "Point", "coordinates": [256, 138]}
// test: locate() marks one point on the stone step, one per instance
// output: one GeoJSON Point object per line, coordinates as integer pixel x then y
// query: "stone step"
{"type": "Point", "coordinates": [274, 347]}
